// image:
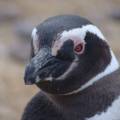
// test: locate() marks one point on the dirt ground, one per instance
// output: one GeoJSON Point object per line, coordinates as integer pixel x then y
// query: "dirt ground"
{"type": "Point", "coordinates": [13, 93]}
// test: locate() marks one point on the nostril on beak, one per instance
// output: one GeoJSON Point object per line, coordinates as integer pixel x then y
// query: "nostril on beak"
{"type": "Point", "coordinates": [29, 77]}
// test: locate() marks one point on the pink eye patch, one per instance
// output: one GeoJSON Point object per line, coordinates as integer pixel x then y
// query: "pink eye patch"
{"type": "Point", "coordinates": [79, 45]}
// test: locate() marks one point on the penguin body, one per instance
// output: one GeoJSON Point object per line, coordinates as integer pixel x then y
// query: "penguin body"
{"type": "Point", "coordinates": [77, 71]}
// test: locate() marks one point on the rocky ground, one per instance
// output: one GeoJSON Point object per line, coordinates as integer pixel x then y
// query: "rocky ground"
{"type": "Point", "coordinates": [18, 17]}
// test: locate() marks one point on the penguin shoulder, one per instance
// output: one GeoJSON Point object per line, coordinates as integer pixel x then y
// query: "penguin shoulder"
{"type": "Point", "coordinates": [41, 108]}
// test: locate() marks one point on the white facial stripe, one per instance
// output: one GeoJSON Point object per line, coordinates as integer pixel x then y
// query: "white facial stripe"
{"type": "Point", "coordinates": [57, 45]}
{"type": "Point", "coordinates": [72, 66]}
{"type": "Point", "coordinates": [112, 113]}
{"type": "Point", "coordinates": [77, 35]}
{"type": "Point", "coordinates": [35, 40]}
{"type": "Point", "coordinates": [113, 66]}
{"type": "Point", "coordinates": [38, 79]}
{"type": "Point", "coordinates": [80, 33]}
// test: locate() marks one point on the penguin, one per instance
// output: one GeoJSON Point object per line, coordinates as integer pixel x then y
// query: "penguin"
{"type": "Point", "coordinates": [76, 70]}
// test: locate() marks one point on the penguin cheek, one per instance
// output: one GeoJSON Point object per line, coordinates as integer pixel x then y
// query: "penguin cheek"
{"type": "Point", "coordinates": [49, 82]}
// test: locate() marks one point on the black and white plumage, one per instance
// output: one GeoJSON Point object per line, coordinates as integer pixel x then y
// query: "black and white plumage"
{"type": "Point", "coordinates": [73, 65]}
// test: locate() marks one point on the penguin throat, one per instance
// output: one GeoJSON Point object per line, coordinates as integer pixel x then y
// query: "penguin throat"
{"type": "Point", "coordinates": [111, 67]}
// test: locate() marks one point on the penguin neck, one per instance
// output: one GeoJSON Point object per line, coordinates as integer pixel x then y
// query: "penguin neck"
{"type": "Point", "coordinates": [110, 68]}
{"type": "Point", "coordinates": [90, 99]}
{"type": "Point", "coordinates": [89, 93]}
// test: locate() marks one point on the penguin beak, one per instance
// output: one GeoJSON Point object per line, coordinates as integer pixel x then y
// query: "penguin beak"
{"type": "Point", "coordinates": [44, 68]}
{"type": "Point", "coordinates": [37, 69]}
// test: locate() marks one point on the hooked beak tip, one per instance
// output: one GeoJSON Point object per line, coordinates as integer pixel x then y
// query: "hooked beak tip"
{"type": "Point", "coordinates": [29, 79]}
{"type": "Point", "coordinates": [28, 83]}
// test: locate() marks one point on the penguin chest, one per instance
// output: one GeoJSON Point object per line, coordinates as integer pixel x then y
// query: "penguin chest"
{"type": "Point", "coordinates": [111, 113]}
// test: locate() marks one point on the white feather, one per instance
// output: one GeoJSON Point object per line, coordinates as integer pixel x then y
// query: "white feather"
{"type": "Point", "coordinates": [35, 40]}
{"type": "Point", "coordinates": [81, 32]}
{"type": "Point", "coordinates": [112, 112]}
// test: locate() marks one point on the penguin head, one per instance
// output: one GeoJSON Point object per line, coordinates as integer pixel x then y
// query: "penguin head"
{"type": "Point", "coordinates": [66, 52]}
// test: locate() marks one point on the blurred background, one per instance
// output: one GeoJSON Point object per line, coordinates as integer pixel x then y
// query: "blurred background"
{"type": "Point", "coordinates": [17, 19]}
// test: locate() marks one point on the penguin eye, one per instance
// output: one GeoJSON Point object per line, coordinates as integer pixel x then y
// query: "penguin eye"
{"type": "Point", "coordinates": [79, 48]}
